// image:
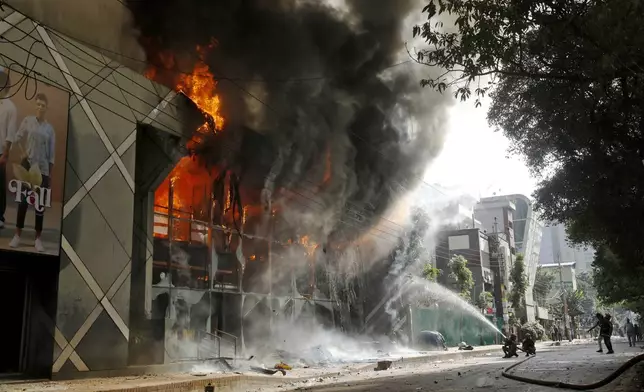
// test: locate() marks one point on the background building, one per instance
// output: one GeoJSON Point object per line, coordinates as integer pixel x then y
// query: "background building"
{"type": "Point", "coordinates": [514, 215]}
{"type": "Point", "coordinates": [473, 245]}
{"type": "Point", "coordinates": [568, 281]}
{"type": "Point", "coordinates": [555, 247]}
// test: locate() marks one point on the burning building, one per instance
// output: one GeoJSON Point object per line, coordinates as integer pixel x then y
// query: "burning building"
{"type": "Point", "coordinates": [229, 174]}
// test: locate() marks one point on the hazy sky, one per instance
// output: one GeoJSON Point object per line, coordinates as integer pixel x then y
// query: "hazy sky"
{"type": "Point", "coordinates": [475, 159]}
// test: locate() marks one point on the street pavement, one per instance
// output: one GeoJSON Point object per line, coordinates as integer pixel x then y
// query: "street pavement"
{"type": "Point", "coordinates": [577, 363]}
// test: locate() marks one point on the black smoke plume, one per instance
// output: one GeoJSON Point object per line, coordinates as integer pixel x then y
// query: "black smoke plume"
{"type": "Point", "coordinates": [319, 82]}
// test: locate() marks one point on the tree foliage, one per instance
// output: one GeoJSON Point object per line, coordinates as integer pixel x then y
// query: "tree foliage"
{"type": "Point", "coordinates": [533, 328]}
{"type": "Point", "coordinates": [580, 308]}
{"type": "Point", "coordinates": [519, 282]}
{"type": "Point", "coordinates": [616, 281]}
{"type": "Point", "coordinates": [543, 281]}
{"type": "Point", "coordinates": [430, 272]}
{"type": "Point", "coordinates": [461, 276]}
{"type": "Point", "coordinates": [484, 300]}
{"type": "Point", "coordinates": [567, 85]}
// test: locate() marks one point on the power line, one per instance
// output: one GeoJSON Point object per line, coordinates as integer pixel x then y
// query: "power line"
{"type": "Point", "coordinates": [231, 80]}
{"type": "Point", "coordinates": [93, 73]}
{"type": "Point", "coordinates": [133, 110]}
{"type": "Point", "coordinates": [228, 79]}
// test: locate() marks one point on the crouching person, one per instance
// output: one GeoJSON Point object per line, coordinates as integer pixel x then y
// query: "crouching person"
{"type": "Point", "coordinates": [528, 346]}
{"type": "Point", "coordinates": [510, 347]}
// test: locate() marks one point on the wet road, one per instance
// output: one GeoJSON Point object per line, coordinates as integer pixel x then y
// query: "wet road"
{"type": "Point", "coordinates": [574, 364]}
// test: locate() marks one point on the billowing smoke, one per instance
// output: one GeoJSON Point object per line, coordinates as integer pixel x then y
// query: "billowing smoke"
{"type": "Point", "coordinates": [351, 131]}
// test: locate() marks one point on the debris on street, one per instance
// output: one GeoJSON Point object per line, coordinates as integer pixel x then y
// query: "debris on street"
{"type": "Point", "coordinates": [269, 372]}
{"type": "Point", "coordinates": [383, 365]}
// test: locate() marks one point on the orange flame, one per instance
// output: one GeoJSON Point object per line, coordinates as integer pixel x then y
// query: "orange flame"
{"type": "Point", "coordinates": [190, 181]}
{"type": "Point", "coordinates": [309, 245]}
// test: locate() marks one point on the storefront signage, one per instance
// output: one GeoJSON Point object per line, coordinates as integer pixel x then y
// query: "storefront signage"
{"type": "Point", "coordinates": [35, 195]}
{"type": "Point", "coordinates": [33, 148]}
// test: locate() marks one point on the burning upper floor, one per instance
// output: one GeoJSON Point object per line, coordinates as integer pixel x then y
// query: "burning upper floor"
{"type": "Point", "coordinates": [306, 114]}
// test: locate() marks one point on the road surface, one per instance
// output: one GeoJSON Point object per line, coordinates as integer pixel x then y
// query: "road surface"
{"type": "Point", "coordinates": [571, 363]}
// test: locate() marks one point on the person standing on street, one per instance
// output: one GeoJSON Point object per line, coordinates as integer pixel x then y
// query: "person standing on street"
{"type": "Point", "coordinates": [555, 334]}
{"type": "Point", "coordinates": [606, 331]}
{"type": "Point", "coordinates": [39, 136]}
{"type": "Point", "coordinates": [638, 333]}
{"type": "Point", "coordinates": [8, 122]}
{"type": "Point", "coordinates": [600, 320]}
{"type": "Point", "coordinates": [630, 333]}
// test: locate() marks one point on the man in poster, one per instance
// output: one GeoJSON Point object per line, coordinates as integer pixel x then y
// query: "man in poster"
{"type": "Point", "coordinates": [39, 152]}
{"type": "Point", "coordinates": [8, 121]}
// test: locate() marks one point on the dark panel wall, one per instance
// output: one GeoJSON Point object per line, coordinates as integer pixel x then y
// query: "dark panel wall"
{"type": "Point", "coordinates": [38, 278]}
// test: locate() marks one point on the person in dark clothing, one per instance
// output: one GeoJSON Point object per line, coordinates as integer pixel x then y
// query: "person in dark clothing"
{"type": "Point", "coordinates": [638, 333]}
{"type": "Point", "coordinates": [555, 334]}
{"type": "Point", "coordinates": [600, 319]}
{"type": "Point", "coordinates": [528, 346]}
{"type": "Point", "coordinates": [630, 333]}
{"type": "Point", "coordinates": [606, 331]}
{"type": "Point", "coordinates": [510, 347]}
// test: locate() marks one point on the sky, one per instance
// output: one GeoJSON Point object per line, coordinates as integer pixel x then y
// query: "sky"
{"type": "Point", "coordinates": [475, 158]}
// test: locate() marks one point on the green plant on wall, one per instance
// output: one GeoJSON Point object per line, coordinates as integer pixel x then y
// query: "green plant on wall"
{"type": "Point", "coordinates": [484, 300]}
{"type": "Point", "coordinates": [461, 276]}
{"type": "Point", "coordinates": [519, 282]}
{"type": "Point", "coordinates": [430, 272]}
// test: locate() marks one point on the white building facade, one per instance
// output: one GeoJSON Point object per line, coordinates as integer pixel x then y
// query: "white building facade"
{"type": "Point", "coordinates": [515, 215]}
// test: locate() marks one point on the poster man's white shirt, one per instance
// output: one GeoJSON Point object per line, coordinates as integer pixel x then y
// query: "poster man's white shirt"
{"type": "Point", "coordinates": [8, 122]}
{"type": "Point", "coordinates": [41, 142]}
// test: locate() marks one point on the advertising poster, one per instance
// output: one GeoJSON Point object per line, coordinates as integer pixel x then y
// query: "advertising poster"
{"type": "Point", "coordinates": [33, 144]}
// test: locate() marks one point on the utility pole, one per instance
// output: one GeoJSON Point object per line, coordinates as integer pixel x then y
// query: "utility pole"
{"type": "Point", "coordinates": [564, 299]}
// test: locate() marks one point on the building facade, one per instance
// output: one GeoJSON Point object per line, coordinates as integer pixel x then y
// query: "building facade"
{"type": "Point", "coordinates": [566, 281]}
{"type": "Point", "coordinates": [79, 298]}
{"type": "Point", "coordinates": [474, 246]}
{"type": "Point", "coordinates": [142, 266]}
{"type": "Point", "coordinates": [514, 215]}
{"type": "Point", "coordinates": [556, 247]}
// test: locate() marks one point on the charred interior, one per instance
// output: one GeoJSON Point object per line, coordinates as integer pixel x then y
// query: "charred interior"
{"type": "Point", "coordinates": [228, 262]}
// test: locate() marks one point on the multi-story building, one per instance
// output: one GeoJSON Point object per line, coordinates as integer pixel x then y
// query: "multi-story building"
{"type": "Point", "coordinates": [141, 261]}
{"type": "Point", "coordinates": [524, 229]}
{"type": "Point", "coordinates": [496, 215]}
{"type": "Point", "coordinates": [567, 280]}
{"type": "Point", "coordinates": [556, 247]}
{"type": "Point", "coordinates": [473, 245]}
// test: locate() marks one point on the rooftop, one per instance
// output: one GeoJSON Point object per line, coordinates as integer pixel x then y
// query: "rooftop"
{"type": "Point", "coordinates": [572, 264]}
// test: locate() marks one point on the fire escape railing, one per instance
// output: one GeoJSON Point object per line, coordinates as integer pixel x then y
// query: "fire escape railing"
{"type": "Point", "coordinates": [232, 338]}
{"type": "Point", "coordinates": [204, 353]}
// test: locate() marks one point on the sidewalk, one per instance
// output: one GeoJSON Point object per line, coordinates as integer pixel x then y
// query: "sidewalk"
{"type": "Point", "coordinates": [233, 381]}
{"type": "Point", "coordinates": [582, 365]}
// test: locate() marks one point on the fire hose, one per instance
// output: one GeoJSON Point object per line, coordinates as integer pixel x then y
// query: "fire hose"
{"type": "Point", "coordinates": [578, 387]}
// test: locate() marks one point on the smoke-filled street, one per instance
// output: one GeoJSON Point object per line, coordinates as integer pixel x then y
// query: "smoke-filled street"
{"type": "Point", "coordinates": [577, 363]}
